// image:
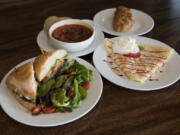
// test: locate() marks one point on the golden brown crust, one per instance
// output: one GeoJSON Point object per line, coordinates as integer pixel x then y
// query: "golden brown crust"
{"type": "Point", "coordinates": [40, 62]}
{"type": "Point", "coordinates": [50, 21]}
{"type": "Point", "coordinates": [123, 19]}
{"type": "Point", "coordinates": [28, 105]}
{"type": "Point", "coordinates": [20, 80]}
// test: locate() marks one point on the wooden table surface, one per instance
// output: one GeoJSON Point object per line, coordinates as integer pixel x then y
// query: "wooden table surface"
{"type": "Point", "coordinates": [120, 110]}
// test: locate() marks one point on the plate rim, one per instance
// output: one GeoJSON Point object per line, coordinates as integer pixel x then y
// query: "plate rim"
{"type": "Point", "coordinates": [125, 86]}
{"type": "Point", "coordinates": [114, 33]}
{"type": "Point", "coordinates": [56, 123]}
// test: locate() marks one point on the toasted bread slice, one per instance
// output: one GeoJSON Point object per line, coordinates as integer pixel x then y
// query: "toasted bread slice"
{"type": "Point", "coordinates": [27, 104]}
{"type": "Point", "coordinates": [22, 81]}
{"type": "Point", "coordinates": [45, 62]}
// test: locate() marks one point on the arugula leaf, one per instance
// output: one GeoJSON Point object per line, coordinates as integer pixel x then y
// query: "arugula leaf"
{"type": "Point", "coordinates": [83, 93]}
{"type": "Point", "coordinates": [76, 96]}
{"type": "Point", "coordinates": [68, 65]}
{"type": "Point", "coordinates": [83, 74]}
{"type": "Point", "coordinates": [60, 80]}
{"type": "Point", "coordinates": [45, 87]}
{"type": "Point", "coordinates": [59, 98]}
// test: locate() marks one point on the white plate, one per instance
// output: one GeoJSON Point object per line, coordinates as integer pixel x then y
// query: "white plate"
{"type": "Point", "coordinates": [170, 75]}
{"type": "Point", "coordinates": [143, 22]}
{"type": "Point", "coordinates": [44, 43]}
{"type": "Point", "coordinates": [20, 114]}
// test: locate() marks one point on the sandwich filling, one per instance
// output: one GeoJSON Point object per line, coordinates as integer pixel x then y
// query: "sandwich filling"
{"type": "Point", "coordinates": [59, 63]}
{"type": "Point", "coordinates": [27, 99]}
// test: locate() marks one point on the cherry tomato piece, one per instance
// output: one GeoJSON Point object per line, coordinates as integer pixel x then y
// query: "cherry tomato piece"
{"type": "Point", "coordinates": [86, 85]}
{"type": "Point", "coordinates": [37, 109]}
{"type": "Point", "coordinates": [70, 70]}
{"type": "Point", "coordinates": [55, 69]}
{"type": "Point", "coordinates": [49, 109]}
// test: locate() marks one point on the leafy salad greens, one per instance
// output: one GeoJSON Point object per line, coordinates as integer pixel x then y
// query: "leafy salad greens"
{"type": "Point", "coordinates": [66, 90]}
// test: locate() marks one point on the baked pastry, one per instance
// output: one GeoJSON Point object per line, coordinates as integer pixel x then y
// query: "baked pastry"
{"type": "Point", "coordinates": [123, 19]}
{"type": "Point", "coordinates": [140, 66]}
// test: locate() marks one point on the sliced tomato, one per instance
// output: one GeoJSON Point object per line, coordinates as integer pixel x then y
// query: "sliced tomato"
{"type": "Point", "coordinates": [70, 70]}
{"type": "Point", "coordinates": [55, 69]}
{"type": "Point", "coordinates": [49, 109]}
{"type": "Point", "coordinates": [37, 109]}
{"type": "Point", "coordinates": [86, 85]}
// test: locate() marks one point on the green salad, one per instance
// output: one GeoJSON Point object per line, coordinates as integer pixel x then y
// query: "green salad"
{"type": "Point", "coordinates": [65, 91]}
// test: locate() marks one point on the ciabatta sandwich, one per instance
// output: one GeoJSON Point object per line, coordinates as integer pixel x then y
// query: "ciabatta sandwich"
{"type": "Point", "coordinates": [46, 65]}
{"type": "Point", "coordinates": [23, 84]}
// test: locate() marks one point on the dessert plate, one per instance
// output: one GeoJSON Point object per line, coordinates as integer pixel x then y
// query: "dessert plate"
{"type": "Point", "coordinates": [43, 42]}
{"type": "Point", "coordinates": [170, 74]}
{"type": "Point", "coordinates": [143, 22]}
{"type": "Point", "coordinates": [17, 112]}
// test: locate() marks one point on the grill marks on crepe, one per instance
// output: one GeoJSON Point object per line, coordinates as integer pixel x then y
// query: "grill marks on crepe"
{"type": "Point", "coordinates": [140, 69]}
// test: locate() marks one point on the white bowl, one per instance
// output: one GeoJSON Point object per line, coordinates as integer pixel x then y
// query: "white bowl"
{"type": "Point", "coordinates": [71, 47]}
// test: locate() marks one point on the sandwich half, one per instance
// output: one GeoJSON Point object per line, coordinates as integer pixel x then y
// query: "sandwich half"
{"type": "Point", "coordinates": [23, 84]}
{"type": "Point", "coordinates": [47, 65]}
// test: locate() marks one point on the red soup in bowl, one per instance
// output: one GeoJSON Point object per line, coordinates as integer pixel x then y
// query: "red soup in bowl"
{"type": "Point", "coordinates": [72, 33]}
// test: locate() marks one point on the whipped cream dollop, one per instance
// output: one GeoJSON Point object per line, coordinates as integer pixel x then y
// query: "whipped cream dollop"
{"type": "Point", "coordinates": [125, 45]}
